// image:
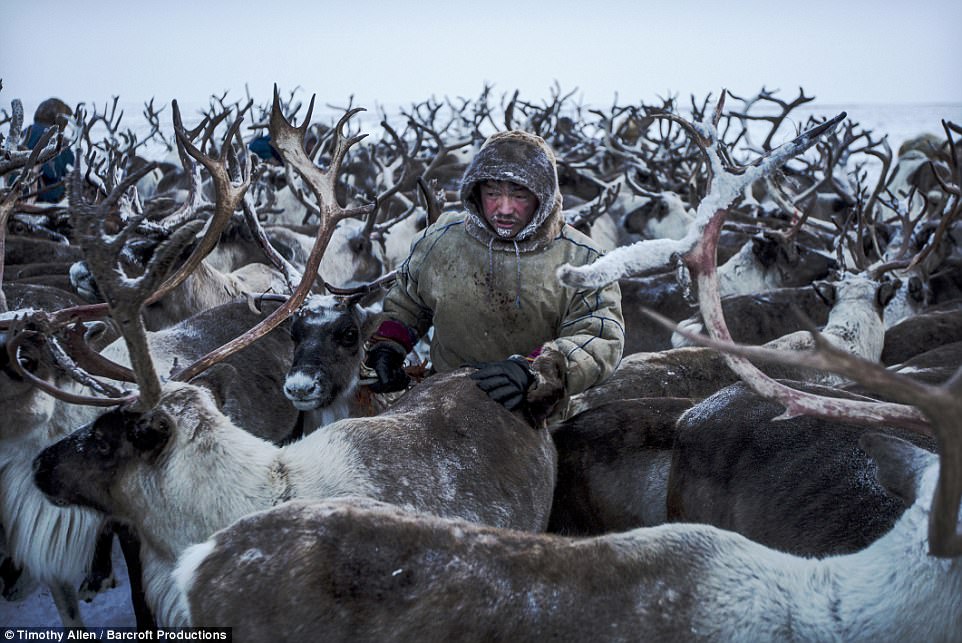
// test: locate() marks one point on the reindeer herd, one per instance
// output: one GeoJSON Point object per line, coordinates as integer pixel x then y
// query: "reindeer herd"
{"type": "Point", "coordinates": [777, 457]}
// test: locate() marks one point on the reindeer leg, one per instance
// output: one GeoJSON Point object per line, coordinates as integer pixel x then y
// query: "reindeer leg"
{"type": "Point", "coordinates": [130, 546]}
{"type": "Point", "coordinates": [14, 584]}
{"type": "Point", "coordinates": [101, 575]}
{"type": "Point", "coordinates": [68, 606]}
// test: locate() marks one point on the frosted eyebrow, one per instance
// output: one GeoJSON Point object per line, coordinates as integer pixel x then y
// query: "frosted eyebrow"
{"type": "Point", "coordinates": [512, 189]}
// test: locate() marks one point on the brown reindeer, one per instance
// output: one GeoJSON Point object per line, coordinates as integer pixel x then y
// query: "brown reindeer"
{"type": "Point", "coordinates": [174, 466]}
{"type": "Point", "coordinates": [373, 571]}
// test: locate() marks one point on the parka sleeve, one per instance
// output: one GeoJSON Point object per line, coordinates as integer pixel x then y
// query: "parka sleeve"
{"type": "Point", "coordinates": [402, 302]}
{"type": "Point", "coordinates": [592, 337]}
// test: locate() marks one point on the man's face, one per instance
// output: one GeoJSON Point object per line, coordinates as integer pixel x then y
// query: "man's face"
{"type": "Point", "coordinates": [508, 207]}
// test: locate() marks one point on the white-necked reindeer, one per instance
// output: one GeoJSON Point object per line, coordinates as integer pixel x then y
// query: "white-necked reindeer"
{"type": "Point", "coordinates": [56, 544]}
{"type": "Point", "coordinates": [177, 469]}
{"type": "Point", "coordinates": [53, 545]}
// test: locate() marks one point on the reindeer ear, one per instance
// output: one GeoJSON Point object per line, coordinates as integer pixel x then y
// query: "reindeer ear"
{"type": "Point", "coordinates": [371, 318]}
{"type": "Point", "coordinates": [916, 289]}
{"type": "Point", "coordinates": [150, 432]}
{"type": "Point", "coordinates": [372, 298]}
{"type": "Point", "coordinates": [826, 292]}
{"type": "Point", "coordinates": [900, 463]}
{"type": "Point", "coordinates": [218, 379]}
{"type": "Point", "coordinates": [886, 291]}
{"type": "Point", "coordinates": [98, 334]}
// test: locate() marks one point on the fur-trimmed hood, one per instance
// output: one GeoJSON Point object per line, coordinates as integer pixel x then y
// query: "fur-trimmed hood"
{"type": "Point", "coordinates": [525, 159]}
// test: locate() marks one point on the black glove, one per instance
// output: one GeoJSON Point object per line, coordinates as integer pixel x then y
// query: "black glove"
{"type": "Point", "coordinates": [506, 381]}
{"type": "Point", "coordinates": [387, 360]}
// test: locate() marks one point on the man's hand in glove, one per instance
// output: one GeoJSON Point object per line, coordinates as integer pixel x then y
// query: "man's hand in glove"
{"type": "Point", "coordinates": [506, 381]}
{"type": "Point", "coordinates": [387, 360]}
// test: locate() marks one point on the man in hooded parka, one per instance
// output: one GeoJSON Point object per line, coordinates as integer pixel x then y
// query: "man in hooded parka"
{"type": "Point", "coordinates": [485, 279]}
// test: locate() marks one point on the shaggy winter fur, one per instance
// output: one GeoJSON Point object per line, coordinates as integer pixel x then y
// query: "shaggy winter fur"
{"type": "Point", "coordinates": [854, 323]}
{"type": "Point", "coordinates": [369, 571]}
{"type": "Point", "coordinates": [52, 544]}
{"type": "Point", "coordinates": [183, 470]}
{"type": "Point", "coordinates": [801, 485]}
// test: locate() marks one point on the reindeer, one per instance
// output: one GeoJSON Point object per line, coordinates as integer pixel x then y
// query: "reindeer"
{"type": "Point", "coordinates": [373, 571]}
{"type": "Point", "coordinates": [674, 581]}
{"type": "Point", "coordinates": [762, 316]}
{"type": "Point", "coordinates": [761, 264]}
{"type": "Point", "coordinates": [323, 379]}
{"type": "Point", "coordinates": [56, 544]}
{"type": "Point", "coordinates": [737, 428]}
{"type": "Point", "coordinates": [436, 450]}
{"type": "Point", "coordinates": [205, 288]}
{"type": "Point", "coordinates": [801, 485]}
{"type": "Point", "coordinates": [854, 323]}
{"type": "Point", "coordinates": [53, 545]}
{"type": "Point", "coordinates": [613, 463]}
{"type": "Point", "coordinates": [921, 332]}
{"type": "Point", "coordinates": [31, 420]}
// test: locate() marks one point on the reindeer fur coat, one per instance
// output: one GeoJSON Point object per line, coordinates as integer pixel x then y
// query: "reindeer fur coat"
{"type": "Point", "coordinates": [489, 298]}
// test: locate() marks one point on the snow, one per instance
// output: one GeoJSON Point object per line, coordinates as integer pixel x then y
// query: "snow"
{"type": "Point", "coordinates": [111, 608]}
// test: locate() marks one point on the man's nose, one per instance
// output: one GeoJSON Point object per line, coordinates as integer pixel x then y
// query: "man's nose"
{"type": "Point", "coordinates": [504, 204]}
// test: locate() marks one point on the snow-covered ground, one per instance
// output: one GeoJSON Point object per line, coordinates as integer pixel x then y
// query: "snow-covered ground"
{"type": "Point", "coordinates": [109, 609]}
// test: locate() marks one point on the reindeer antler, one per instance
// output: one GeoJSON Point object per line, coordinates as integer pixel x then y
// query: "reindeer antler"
{"type": "Point", "coordinates": [229, 194]}
{"type": "Point", "coordinates": [728, 183]}
{"type": "Point", "coordinates": [289, 142]}
{"type": "Point", "coordinates": [125, 295]}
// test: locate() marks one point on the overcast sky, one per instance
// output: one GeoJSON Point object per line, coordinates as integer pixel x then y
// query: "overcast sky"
{"type": "Point", "coordinates": [842, 51]}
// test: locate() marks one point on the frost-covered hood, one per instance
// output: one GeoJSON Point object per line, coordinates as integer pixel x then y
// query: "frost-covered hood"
{"type": "Point", "coordinates": [524, 159]}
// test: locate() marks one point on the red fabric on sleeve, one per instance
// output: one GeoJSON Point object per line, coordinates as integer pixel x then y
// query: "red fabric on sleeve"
{"type": "Point", "coordinates": [396, 332]}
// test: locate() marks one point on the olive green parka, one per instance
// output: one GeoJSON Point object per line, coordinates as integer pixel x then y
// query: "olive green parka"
{"type": "Point", "coordinates": [489, 298]}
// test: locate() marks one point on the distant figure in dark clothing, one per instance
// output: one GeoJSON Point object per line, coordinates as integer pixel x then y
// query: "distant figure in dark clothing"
{"type": "Point", "coordinates": [51, 189]}
{"type": "Point", "coordinates": [261, 146]}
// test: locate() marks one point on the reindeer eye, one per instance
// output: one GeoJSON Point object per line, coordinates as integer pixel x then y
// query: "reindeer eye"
{"type": "Point", "coordinates": [101, 445]}
{"type": "Point", "coordinates": [347, 337]}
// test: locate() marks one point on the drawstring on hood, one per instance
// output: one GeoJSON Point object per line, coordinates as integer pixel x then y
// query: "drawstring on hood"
{"type": "Point", "coordinates": [527, 160]}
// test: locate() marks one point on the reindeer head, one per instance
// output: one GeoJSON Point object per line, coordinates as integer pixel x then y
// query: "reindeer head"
{"type": "Point", "coordinates": [797, 264]}
{"type": "Point", "coordinates": [102, 464]}
{"type": "Point", "coordinates": [329, 332]}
